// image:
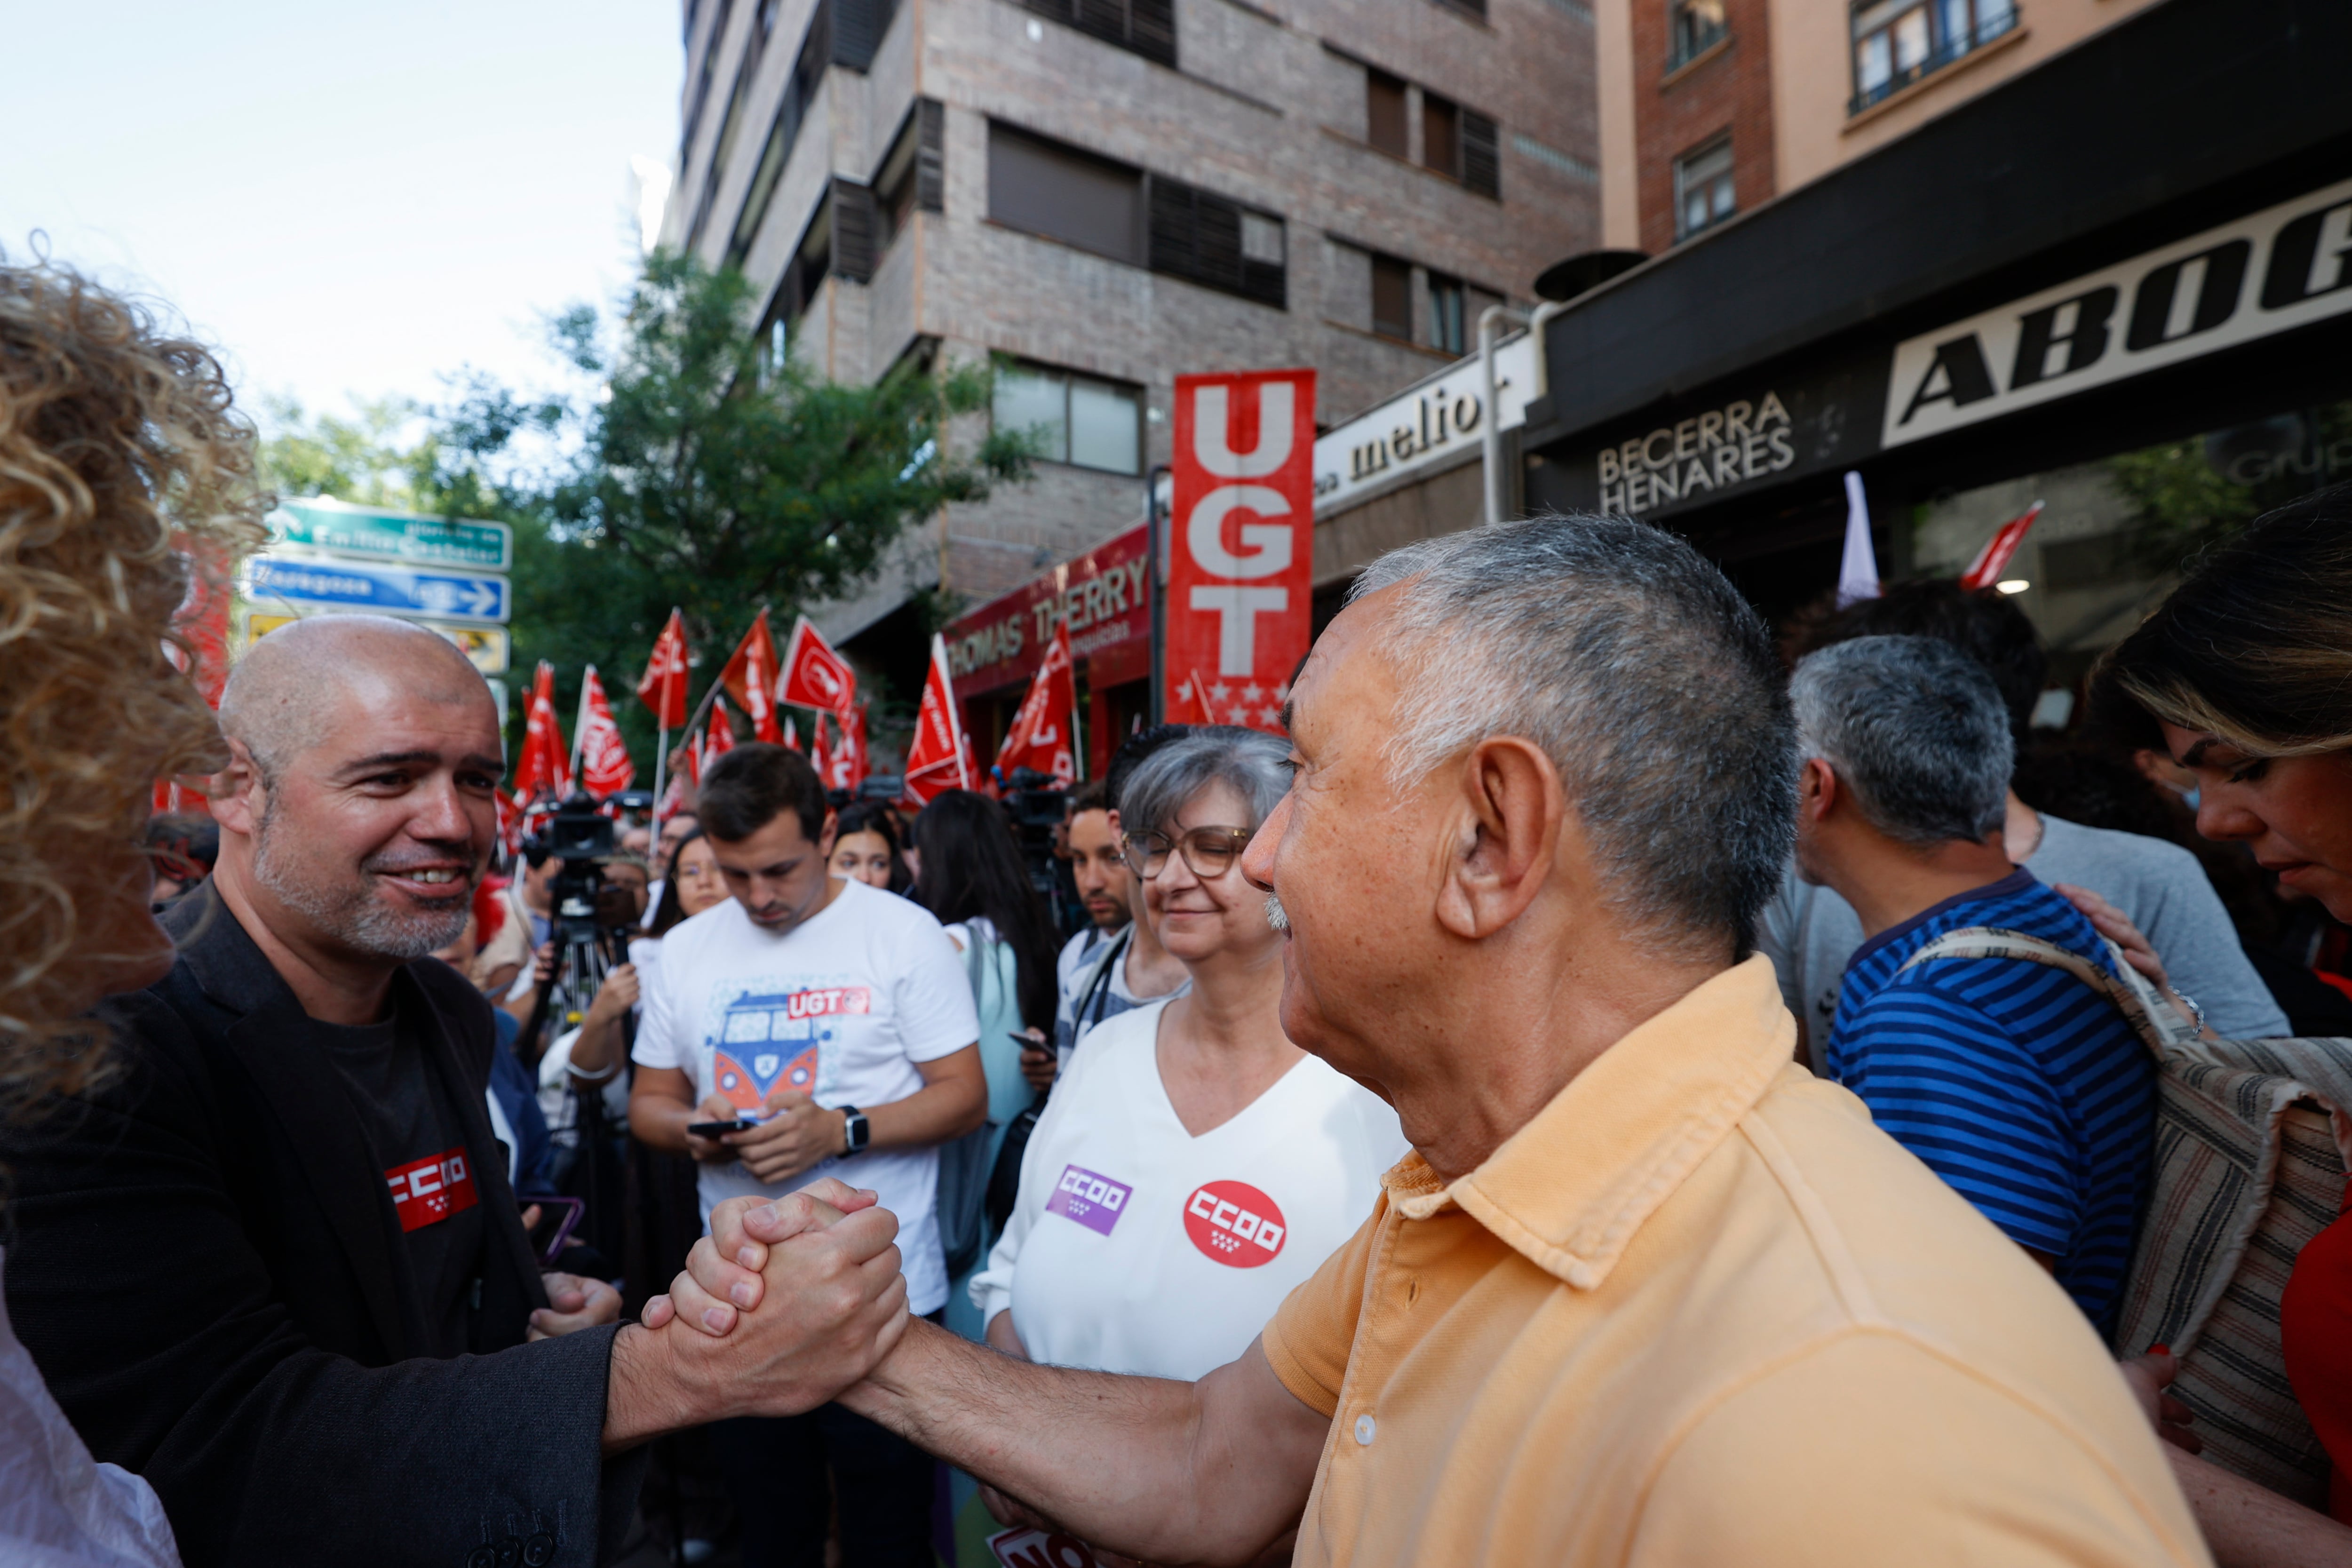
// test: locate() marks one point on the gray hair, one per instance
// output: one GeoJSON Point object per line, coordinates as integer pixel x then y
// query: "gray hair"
{"type": "Point", "coordinates": [1644, 675]}
{"type": "Point", "coordinates": [1916, 728]}
{"type": "Point", "coordinates": [1248, 760]}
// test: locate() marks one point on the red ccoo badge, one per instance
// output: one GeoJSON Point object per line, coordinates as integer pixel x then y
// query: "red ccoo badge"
{"type": "Point", "coordinates": [1234, 1223]}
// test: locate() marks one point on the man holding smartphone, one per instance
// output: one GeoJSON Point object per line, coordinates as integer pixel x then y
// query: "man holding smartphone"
{"type": "Point", "coordinates": [810, 1027]}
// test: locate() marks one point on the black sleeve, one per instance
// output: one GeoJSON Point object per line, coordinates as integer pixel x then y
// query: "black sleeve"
{"type": "Point", "coordinates": [133, 1279]}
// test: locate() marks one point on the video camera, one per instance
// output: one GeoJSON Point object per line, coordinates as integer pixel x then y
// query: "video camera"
{"type": "Point", "coordinates": [1035, 805]}
{"type": "Point", "coordinates": [583, 904]}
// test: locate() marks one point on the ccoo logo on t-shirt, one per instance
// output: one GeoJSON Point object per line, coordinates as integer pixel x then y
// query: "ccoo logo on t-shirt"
{"type": "Point", "coordinates": [1234, 1223]}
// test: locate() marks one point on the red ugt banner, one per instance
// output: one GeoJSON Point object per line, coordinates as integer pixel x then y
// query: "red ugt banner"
{"type": "Point", "coordinates": [1240, 555]}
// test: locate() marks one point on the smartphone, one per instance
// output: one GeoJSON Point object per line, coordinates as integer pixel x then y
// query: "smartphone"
{"type": "Point", "coordinates": [557, 1220]}
{"type": "Point", "coordinates": [715, 1128]}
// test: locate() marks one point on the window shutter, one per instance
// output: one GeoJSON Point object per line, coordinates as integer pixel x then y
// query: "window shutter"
{"type": "Point", "coordinates": [1152, 29]}
{"type": "Point", "coordinates": [854, 230]}
{"type": "Point", "coordinates": [931, 155]}
{"type": "Point", "coordinates": [1198, 237]}
{"type": "Point", "coordinates": [858, 29]}
{"type": "Point", "coordinates": [1482, 163]}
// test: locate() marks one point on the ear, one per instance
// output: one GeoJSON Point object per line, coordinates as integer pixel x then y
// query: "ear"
{"type": "Point", "coordinates": [1817, 790]}
{"type": "Point", "coordinates": [1503, 833]}
{"type": "Point", "coordinates": [235, 793]}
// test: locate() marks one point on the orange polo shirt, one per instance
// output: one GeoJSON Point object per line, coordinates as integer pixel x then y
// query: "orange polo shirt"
{"type": "Point", "coordinates": [1701, 1311]}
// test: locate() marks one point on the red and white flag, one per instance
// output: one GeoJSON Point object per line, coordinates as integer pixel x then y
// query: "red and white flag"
{"type": "Point", "coordinates": [791, 734]}
{"type": "Point", "coordinates": [673, 800]}
{"type": "Point", "coordinates": [718, 736]}
{"type": "Point", "coordinates": [844, 767]}
{"type": "Point", "coordinates": [605, 765]}
{"type": "Point", "coordinates": [1191, 703]}
{"type": "Point", "coordinates": [813, 675]}
{"type": "Point", "coordinates": [662, 687]}
{"type": "Point", "coordinates": [938, 757]}
{"type": "Point", "coordinates": [1985, 571]}
{"type": "Point", "coordinates": [1241, 563]}
{"type": "Point", "coordinates": [1041, 736]}
{"type": "Point", "coordinates": [750, 678]}
{"type": "Point", "coordinates": [543, 769]}
{"type": "Point", "coordinates": [509, 822]}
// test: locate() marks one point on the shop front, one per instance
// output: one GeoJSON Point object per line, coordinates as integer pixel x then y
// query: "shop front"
{"type": "Point", "coordinates": [2133, 305]}
{"type": "Point", "coordinates": [1104, 596]}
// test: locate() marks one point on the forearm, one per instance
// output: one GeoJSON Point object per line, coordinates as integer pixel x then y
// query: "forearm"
{"type": "Point", "coordinates": [597, 1051]}
{"type": "Point", "coordinates": [660, 1122]}
{"type": "Point", "coordinates": [2247, 1526]}
{"type": "Point", "coordinates": [931, 1115]}
{"type": "Point", "coordinates": [1125, 1463]}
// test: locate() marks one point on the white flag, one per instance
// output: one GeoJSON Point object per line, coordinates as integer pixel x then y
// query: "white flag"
{"type": "Point", "coordinates": [1858, 572]}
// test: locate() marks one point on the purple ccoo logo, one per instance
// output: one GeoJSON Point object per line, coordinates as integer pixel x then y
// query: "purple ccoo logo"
{"type": "Point", "coordinates": [1095, 1202]}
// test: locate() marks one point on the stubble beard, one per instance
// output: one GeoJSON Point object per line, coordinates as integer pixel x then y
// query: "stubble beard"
{"type": "Point", "coordinates": [352, 914]}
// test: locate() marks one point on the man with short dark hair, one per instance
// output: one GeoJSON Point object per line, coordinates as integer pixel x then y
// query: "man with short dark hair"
{"type": "Point", "coordinates": [1646, 1295]}
{"type": "Point", "coordinates": [2014, 1080]}
{"type": "Point", "coordinates": [276, 1266]}
{"type": "Point", "coordinates": [831, 1024]}
{"type": "Point", "coordinates": [1811, 933]}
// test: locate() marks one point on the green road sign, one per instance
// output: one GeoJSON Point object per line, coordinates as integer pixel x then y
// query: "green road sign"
{"type": "Point", "coordinates": [376, 535]}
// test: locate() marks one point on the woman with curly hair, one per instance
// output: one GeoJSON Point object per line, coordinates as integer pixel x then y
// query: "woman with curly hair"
{"type": "Point", "coordinates": [126, 478]}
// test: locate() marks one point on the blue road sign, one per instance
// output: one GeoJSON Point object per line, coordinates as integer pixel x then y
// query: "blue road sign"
{"type": "Point", "coordinates": [364, 586]}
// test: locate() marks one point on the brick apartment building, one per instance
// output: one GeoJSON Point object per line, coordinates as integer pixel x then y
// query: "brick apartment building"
{"type": "Point", "coordinates": [1113, 192]}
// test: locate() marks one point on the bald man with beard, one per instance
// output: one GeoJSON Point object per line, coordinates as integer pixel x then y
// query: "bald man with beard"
{"type": "Point", "coordinates": [274, 1266]}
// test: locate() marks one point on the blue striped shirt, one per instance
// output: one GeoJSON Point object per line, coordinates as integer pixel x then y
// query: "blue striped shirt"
{"type": "Point", "coordinates": [2014, 1081]}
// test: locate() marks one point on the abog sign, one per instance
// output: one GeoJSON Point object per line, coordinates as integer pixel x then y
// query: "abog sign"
{"type": "Point", "coordinates": [2285, 267]}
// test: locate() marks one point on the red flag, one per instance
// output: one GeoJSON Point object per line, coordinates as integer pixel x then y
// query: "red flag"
{"type": "Point", "coordinates": [662, 687]}
{"type": "Point", "coordinates": [1240, 572]}
{"type": "Point", "coordinates": [791, 734]}
{"type": "Point", "coordinates": [509, 821]}
{"type": "Point", "coordinates": [845, 766]}
{"type": "Point", "coordinates": [605, 765]}
{"type": "Point", "coordinates": [673, 800]}
{"type": "Point", "coordinates": [543, 767]}
{"type": "Point", "coordinates": [750, 678]}
{"type": "Point", "coordinates": [938, 757]}
{"type": "Point", "coordinates": [862, 762]}
{"type": "Point", "coordinates": [814, 675]}
{"type": "Point", "coordinates": [718, 736]}
{"type": "Point", "coordinates": [1994, 558]}
{"type": "Point", "coordinates": [1040, 737]}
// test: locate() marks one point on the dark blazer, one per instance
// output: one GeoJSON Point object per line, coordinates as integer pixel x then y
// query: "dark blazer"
{"type": "Point", "coordinates": [207, 1268]}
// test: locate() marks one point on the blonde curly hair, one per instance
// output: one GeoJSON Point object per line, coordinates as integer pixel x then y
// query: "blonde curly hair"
{"type": "Point", "coordinates": [124, 469]}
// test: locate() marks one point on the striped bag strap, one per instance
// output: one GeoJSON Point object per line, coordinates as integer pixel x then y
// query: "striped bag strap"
{"type": "Point", "coordinates": [2156, 1022]}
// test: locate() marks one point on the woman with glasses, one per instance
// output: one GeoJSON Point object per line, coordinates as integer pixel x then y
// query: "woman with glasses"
{"type": "Point", "coordinates": [1193, 1165]}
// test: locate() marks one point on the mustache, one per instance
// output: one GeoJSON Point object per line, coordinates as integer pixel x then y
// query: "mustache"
{"type": "Point", "coordinates": [1275, 915]}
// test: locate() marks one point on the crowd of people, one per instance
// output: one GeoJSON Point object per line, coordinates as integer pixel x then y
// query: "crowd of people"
{"type": "Point", "coordinates": [1605, 1087]}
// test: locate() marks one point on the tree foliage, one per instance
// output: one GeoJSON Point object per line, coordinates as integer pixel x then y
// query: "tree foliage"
{"type": "Point", "coordinates": [361, 459]}
{"type": "Point", "coordinates": [2188, 496]}
{"type": "Point", "coordinates": [689, 472]}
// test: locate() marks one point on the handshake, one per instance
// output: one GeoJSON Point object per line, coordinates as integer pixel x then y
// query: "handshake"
{"type": "Point", "coordinates": [783, 1305]}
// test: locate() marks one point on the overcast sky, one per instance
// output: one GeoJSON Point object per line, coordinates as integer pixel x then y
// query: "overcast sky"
{"type": "Point", "coordinates": [342, 197]}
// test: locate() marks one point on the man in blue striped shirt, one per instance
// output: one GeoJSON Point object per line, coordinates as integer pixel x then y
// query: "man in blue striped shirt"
{"type": "Point", "coordinates": [2013, 1080]}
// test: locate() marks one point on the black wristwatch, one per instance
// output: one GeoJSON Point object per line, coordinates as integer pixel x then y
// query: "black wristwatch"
{"type": "Point", "coordinates": [857, 1132]}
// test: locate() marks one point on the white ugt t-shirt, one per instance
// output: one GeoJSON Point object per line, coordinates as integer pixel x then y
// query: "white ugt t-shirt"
{"type": "Point", "coordinates": [841, 1007]}
{"type": "Point", "coordinates": [1136, 1247]}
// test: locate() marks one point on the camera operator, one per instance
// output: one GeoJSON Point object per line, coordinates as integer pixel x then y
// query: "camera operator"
{"type": "Point", "coordinates": [274, 1265]}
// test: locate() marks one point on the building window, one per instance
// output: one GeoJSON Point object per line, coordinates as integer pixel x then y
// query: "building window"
{"type": "Point", "coordinates": [1896, 42]}
{"type": "Point", "coordinates": [1703, 193]}
{"type": "Point", "coordinates": [913, 176]}
{"type": "Point", "coordinates": [1386, 120]}
{"type": "Point", "coordinates": [1693, 27]}
{"type": "Point", "coordinates": [1392, 298]}
{"type": "Point", "coordinates": [1081, 420]}
{"type": "Point", "coordinates": [1441, 134]}
{"type": "Point", "coordinates": [791, 109]}
{"type": "Point", "coordinates": [1146, 27]}
{"type": "Point", "coordinates": [1448, 312]}
{"type": "Point", "coordinates": [1146, 220]}
{"type": "Point", "coordinates": [1063, 194]}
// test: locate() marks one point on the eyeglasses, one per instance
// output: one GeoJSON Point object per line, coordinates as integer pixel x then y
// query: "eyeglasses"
{"type": "Point", "coordinates": [1208, 851]}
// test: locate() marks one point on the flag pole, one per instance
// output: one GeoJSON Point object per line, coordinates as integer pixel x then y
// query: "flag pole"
{"type": "Point", "coordinates": [661, 765]}
{"type": "Point", "coordinates": [580, 727]}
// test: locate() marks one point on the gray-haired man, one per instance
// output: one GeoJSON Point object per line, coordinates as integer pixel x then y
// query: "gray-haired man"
{"type": "Point", "coordinates": [2013, 1080]}
{"type": "Point", "coordinates": [1647, 1292]}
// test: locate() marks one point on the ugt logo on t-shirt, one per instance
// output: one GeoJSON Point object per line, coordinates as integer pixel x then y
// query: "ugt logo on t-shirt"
{"type": "Point", "coordinates": [1234, 1223]}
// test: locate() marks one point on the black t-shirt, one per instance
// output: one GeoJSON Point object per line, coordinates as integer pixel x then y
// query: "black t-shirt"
{"type": "Point", "coordinates": [419, 1143]}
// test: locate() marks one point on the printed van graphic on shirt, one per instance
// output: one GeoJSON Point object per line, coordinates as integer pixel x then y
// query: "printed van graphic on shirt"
{"type": "Point", "coordinates": [428, 1191]}
{"type": "Point", "coordinates": [1095, 1202]}
{"type": "Point", "coordinates": [768, 1039]}
{"type": "Point", "coordinates": [1234, 1223]}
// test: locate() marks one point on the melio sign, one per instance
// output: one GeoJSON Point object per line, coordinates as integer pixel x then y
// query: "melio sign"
{"type": "Point", "coordinates": [1241, 551]}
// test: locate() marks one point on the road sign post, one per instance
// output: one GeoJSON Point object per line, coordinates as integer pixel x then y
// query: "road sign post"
{"type": "Point", "coordinates": [405, 538]}
{"type": "Point", "coordinates": [366, 586]}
